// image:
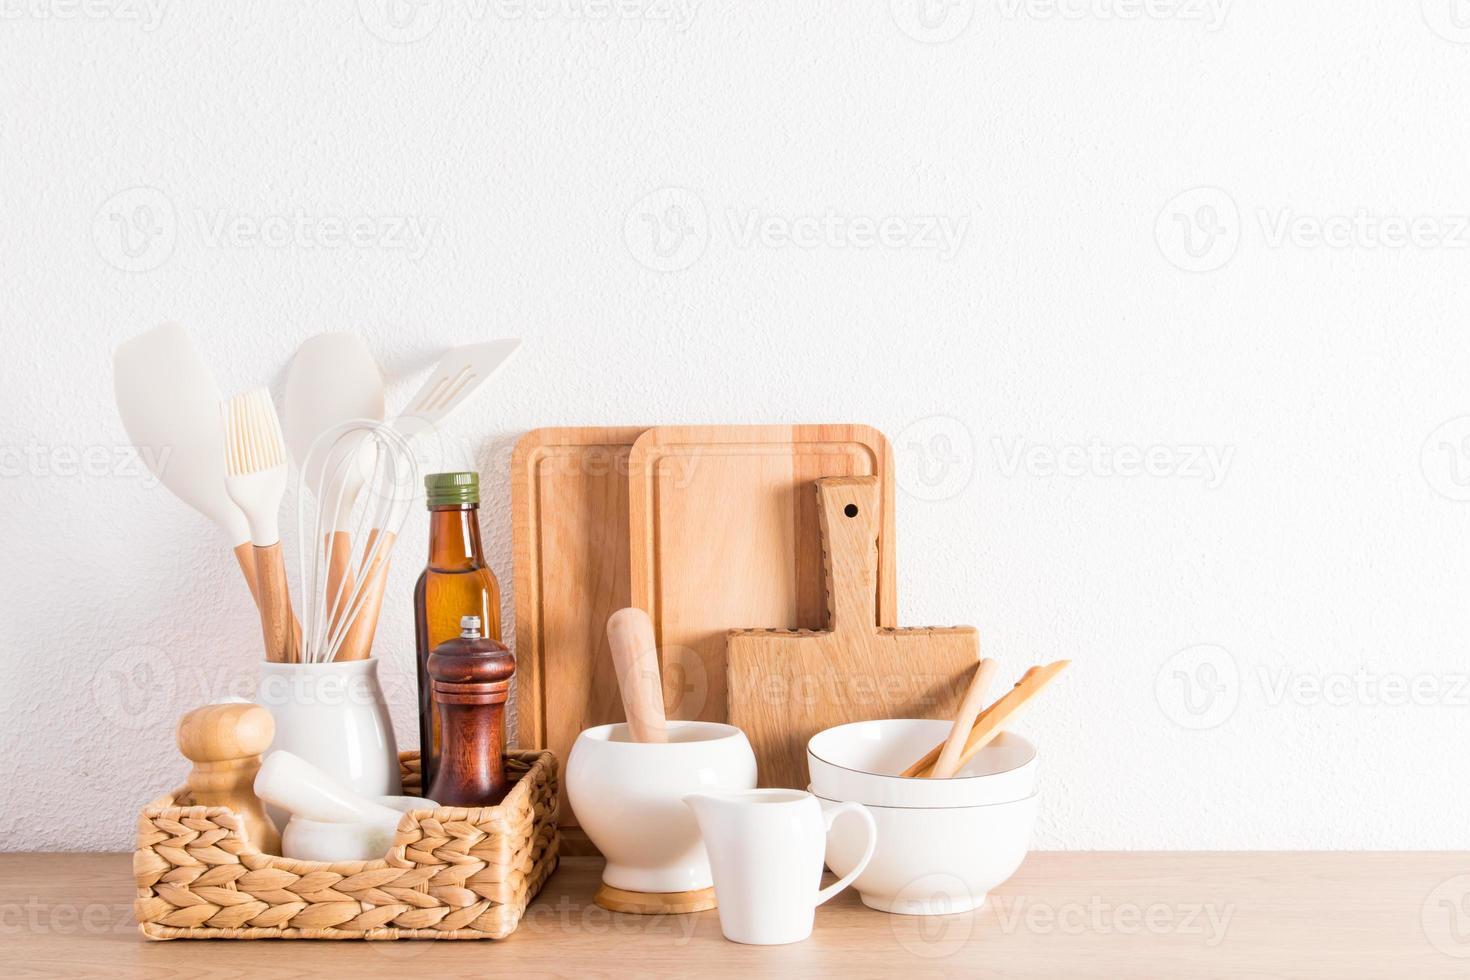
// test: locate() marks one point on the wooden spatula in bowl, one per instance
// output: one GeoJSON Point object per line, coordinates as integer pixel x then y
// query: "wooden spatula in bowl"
{"type": "Point", "coordinates": [992, 720]}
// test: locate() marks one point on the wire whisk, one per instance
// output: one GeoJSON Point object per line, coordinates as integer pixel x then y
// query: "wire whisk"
{"type": "Point", "coordinates": [363, 477]}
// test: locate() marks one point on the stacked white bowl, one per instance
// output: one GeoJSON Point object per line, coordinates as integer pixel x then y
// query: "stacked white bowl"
{"type": "Point", "coordinates": [942, 843]}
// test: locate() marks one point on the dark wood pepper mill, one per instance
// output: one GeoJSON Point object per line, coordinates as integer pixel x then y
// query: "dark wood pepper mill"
{"type": "Point", "coordinates": [471, 680]}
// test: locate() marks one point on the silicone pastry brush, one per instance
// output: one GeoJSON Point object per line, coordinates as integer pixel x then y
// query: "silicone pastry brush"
{"type": "Point", "coordinates": [255, 478]}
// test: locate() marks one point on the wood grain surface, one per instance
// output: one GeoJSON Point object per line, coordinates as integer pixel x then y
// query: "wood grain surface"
{"type": "Point", "coordinates": [724, 535]}
{"type": "Point", "coordinates": [1263, 914]}
{"type": "Point", "coordinates": [784, 687]}
{"type": "Point", "coordinates": [569, 504]}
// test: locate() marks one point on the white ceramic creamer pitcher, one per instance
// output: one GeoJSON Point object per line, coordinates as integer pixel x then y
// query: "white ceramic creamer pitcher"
{"type": "Point", "coordinates": [765, 848]}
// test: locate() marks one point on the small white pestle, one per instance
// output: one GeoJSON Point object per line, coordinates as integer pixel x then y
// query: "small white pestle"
{"type": "Point", "coordinates": [290, 782]}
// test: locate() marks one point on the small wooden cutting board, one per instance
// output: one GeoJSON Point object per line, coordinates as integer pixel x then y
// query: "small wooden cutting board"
{"type": "Point", "coordinates": [784, 686]}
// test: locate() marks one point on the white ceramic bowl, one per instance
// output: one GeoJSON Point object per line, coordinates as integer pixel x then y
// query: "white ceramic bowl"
{"type": "Point", "coordinates": [933, 860]}
{"type": "Point", "coordinates": [317, 840]}
{"type": "Point", "coordinates": [629, 798]}
{"type": "Point", "coordinates": [860, 762]}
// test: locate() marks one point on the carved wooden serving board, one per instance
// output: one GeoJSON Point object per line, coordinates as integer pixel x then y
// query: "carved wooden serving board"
{"type": "Point", "coordinates": [724, 533]}
{"type": "Point", "coordinates": [785, 686]}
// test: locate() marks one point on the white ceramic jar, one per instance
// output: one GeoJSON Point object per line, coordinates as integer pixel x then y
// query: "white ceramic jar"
{"type": "Point", "coordinates": [628, 797]}
{"type": "Point", "coordinates": [333, 716]}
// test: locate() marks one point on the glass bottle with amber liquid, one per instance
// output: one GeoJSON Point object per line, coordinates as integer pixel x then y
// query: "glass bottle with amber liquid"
{"type": "Point", "coordinates": [456, 583]}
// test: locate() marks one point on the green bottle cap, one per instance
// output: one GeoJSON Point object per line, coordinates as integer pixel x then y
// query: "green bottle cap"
{"type": "Point", "coordinates": [452, 489]}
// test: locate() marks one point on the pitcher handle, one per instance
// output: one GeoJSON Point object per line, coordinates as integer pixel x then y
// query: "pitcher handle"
{"type": "Point", "coordinates": [829, 815]}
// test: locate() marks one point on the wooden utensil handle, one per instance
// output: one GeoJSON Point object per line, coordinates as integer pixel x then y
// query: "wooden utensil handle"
{"type": "Point", "coordinates": [1005, 711]}
{"type": "Point", "coordinates": [630, 636]}
{"type": "Point", "coordinates": [358, 644]}
{"type": "Point", "coordinates": [277, 621]}
{"type": "Point", "coordinates": [993, 720]}
{"type": "Point", "coordinates": [245, 557]}
{"type": "Point", "coordinates": [850, 518]}
{"type": "Point", "coordinates": [948, 762]}
{"type": "Point", "coordinates": [339, 573]}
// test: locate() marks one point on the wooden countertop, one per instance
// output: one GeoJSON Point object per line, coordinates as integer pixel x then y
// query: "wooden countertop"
{"type": "Point", "coordinates": [1063, 914]}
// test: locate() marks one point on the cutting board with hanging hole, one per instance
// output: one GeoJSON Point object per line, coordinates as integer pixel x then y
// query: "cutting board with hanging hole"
{"type": "Point", "coordinates": [724, 532]}
{"type": "Point", "coordinates": [784, 686]}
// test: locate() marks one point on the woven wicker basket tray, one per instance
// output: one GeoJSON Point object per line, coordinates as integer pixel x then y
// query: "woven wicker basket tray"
{"type": "Point", "coordinates": [452, 873]}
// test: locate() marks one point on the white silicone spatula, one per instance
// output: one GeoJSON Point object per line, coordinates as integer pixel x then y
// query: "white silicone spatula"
{"type": "Point", "coordinates": [169, 405]}
{"type": "Point", "coordinates": [332, 379]}
{"type": "Point", "coordinates": [460, 374]}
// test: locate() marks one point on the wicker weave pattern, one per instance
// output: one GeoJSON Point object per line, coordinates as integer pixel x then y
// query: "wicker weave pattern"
{"type": "Point", "coordinates": [452, 872]}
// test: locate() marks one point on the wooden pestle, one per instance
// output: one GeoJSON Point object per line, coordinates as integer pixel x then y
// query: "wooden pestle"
{"type": "Point", "coordinates": [225, 742]}
{"type": "Point", "coordinates": [470, 677]}
{"type": "Point", "coordinates": [635, 658]}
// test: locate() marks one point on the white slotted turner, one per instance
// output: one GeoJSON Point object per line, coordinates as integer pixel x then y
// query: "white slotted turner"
{"type": "Point", "coordinates": [460, 374]}
{"type": "Point", "coordinates": [169, 404]}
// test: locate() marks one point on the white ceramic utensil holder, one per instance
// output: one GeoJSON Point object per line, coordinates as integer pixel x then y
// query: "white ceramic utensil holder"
{"type": "Point", "coordinates": [333, 715]}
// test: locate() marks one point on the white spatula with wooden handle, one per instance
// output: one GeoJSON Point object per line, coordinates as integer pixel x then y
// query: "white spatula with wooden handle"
{"type": "Point", "coordinates": [332, 379]}
{"type": "Point", "coordinates": [169, 404]}
{"type": "Point", "coordinates": [635, 657]}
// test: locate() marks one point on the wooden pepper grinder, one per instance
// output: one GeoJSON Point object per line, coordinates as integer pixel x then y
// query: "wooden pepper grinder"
{"type": "Point", "coordinates": [225, 742]}
{"type": "Point", "coordinates": [471, 680]}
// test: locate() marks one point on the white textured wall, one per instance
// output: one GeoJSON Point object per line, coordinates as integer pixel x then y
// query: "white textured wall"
{"type": "Point", "coordinates": [997, 276]}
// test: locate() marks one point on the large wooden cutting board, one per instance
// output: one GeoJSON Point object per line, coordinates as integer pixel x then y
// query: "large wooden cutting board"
{"type": "Point", "coordinates": [569, 503]}
{"type": "Point", "coordinates": [785, 686]}
{"type": "Point", "coordinates": [724, 533]}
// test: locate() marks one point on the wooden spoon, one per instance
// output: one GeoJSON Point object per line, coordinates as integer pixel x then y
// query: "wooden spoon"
{"type": "Point", "coordinates": [964, 720]}
{"type": "Point", "coordinates": [993, 719]}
